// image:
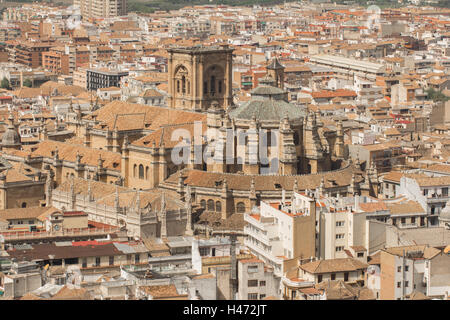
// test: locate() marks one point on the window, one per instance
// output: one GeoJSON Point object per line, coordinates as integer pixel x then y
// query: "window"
{"type": "Point", "coordinates": [262, 283]}
{"type": "Point", "coordinates": [252, 283]}
{"type": "Point", "coordinates": [333, 276]}
{"type": "Point", "coordinates": [406, 268]}
{"type": "Point", "coordinates": [24, 204]}
{"type": "Point", "coordinates": [84, 263]}
{"type": "Point", "coordinates": [97, 261]}
{"type": "Point", "coordinates": [345, 276]}
{"type": "Point", "coordinates": [213, 84]}
{"type": "Point", "coordinates": [399, 284]}
{"type": "Point", "coordinates": [413, 220]}
{"type": "Point", "coordinates": [111, 260]}
{"type": "Point", "coordinates": [445, 192]}
{"type": "Point", "coordinates": [252, 269]}
{"type": "Point", "coordinates": [252, 296]}
{"type": "Point", "coordinates": [137, 258]}
{"type": "Point", "coordinates": [319, 278]}
{"type": "Point", "coordinates": [218, 206]}
{"type": "Point", "coordinates": [210, 205]}
{"type": "Point", "coordinates": [360, 254]}
{"type": "Point", "coordinates": [425, 192]}
{"type": "Point", "coordinates": [340, 236]}
{"type": "Point", "coordinates": [399, 269]}
{"type": "Point", "coordinates": [339, 223]}
{"type": "Point", "coordinates": [261, 296]}
{"type": "Point", "coordinates": [203, 204]}
{"type": "Point", "coordinates": [240, 207]}
{"type": "Point", "coordinates": [220, 86]}
{"type": "Point", "coordinates": [339, 248]}
{"type": "Point", "coordinates": [204, 251]}
{"type": "Point", "coordinates": [403, 220]}
{"type": "Point", "coordinates": [406, 284]}
{"type": "Point", "coordinates": [141, 171]}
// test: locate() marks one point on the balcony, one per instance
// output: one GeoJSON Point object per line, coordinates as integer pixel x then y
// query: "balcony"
{"type": "Point", "coordinates": [297, 283]}
{"type": "Point", "coordinates": [257, 235]}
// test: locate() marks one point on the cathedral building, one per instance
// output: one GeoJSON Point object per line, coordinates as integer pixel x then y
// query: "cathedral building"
{"type": "Point", "coordinates": [256, 151]}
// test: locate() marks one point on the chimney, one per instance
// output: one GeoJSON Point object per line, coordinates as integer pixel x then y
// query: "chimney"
{"type": "Point", "coordinates": [357, 203]}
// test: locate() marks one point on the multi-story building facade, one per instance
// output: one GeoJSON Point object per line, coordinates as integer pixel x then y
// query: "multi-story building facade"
{"type": "Point", "coordinates": [103, 78]}
{"type": "Point", "coordinates": [282, 231]}
{"type": "Point", "coordinates": [256, 281]}
{"type": "Point", "coordinates": [102, 8]}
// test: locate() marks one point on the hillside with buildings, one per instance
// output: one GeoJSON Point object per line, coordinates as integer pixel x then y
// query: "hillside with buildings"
{"type": "Point", "coordinates": [224, 151]}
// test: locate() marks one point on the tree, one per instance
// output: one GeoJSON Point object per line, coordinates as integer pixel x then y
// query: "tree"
{"type": "Point", "coordinates": [27, 83]}
{"type": "Point", "coordinates": [436, 95]}
{"type": "Point", "coordinates": [5, 83]}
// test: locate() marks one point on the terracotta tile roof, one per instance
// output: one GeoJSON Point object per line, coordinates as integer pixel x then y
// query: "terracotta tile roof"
{"type": "Point", "coordinates": [26, 213]}
{"type": "Point", "coordinates": [332, 94]}
{"type": "Point", "coordinates": [425, 251]}
{"type": "Point", "coordinates": [407, 207]}
{"type": "Point", "coordinates": [207, 179]}
{"type": "Point", "coordinates": [164, 136]}
{"type": "Point", "coordinates": [162, 291]}
{"type": "Point", "coordinates": [72, 293]}
{"type": "Point", "coordinates": [104, 194]}
{"type": "Point", "coordinates": [130, 116]}
{"type": "Point", "coordinates": [333, 265]}
{"type": "Point", "coordinates": [68, 152]}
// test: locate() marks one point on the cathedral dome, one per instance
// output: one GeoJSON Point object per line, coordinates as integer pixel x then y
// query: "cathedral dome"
{"type": "Point", "coordinates": [268, 103]}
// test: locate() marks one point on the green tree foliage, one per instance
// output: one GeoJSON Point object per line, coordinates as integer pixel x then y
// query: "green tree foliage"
{"type": "Point", "coordinates": [4, 84]}
{"type": "Point", "coordinates": [436, 95]}
{"type": "Point", "coordinates": [27, 83]}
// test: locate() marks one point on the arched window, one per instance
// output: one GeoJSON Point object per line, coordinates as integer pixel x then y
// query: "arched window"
{"type": "Point", "coordinates": [183, 84]}
{"type": "Point", "coordinates": [296, 138]}
{"type": "Point", "coordinates": [141, 171]}
{"type": "Point", "coordinates": [178, 86]}
{"type": "Point", "coordinates": [218, 206]}
{"type": "Point", "coordinates": [240, 207]}
{"type": "Point", "coordinates": [203, 203]}
{"type": "Point", "coordinates": [213, 84]}
{"type": "Point", "coordinates": [432, 209]}
{"type": "Point", "coordinates": [188, 87]}
{"type": "Point", "coordinates": [220, 86]}
{"type": "Point", "coordinates": [269, 138]}
{"type": "Point", "coordinates": [135, 171]}
{"type": "Point", "coordinates": [24, 204]}
{"type": "Point", "coordinates": [210, 205]}
{"type": "Point", "coordinates": [146, 172]}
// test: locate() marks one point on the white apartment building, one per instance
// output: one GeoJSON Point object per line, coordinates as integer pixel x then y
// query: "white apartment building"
{"type": "Point", "coordinates": [256, 281]}
{"type": "Point", "coordinates": [343, 230]}
{"type": "Point", "coordinates": [431, 192]}
{"type": "Point", "coordinates": [281, 231]}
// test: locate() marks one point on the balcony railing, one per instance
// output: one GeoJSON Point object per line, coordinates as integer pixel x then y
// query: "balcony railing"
{"type": "Point", "coordinates": [21, 235]}
{"type": "Point", "coordinates": [297, 283]}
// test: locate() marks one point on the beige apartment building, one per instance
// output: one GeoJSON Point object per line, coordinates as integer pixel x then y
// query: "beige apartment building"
{"type": "Point", "coordinates": [101, 8]}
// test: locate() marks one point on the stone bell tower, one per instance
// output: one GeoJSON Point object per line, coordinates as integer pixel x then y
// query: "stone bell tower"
{"type": "Point", "coordinates": [276, 71]}
{"type": "Point", "coordinates": [200, 76]}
